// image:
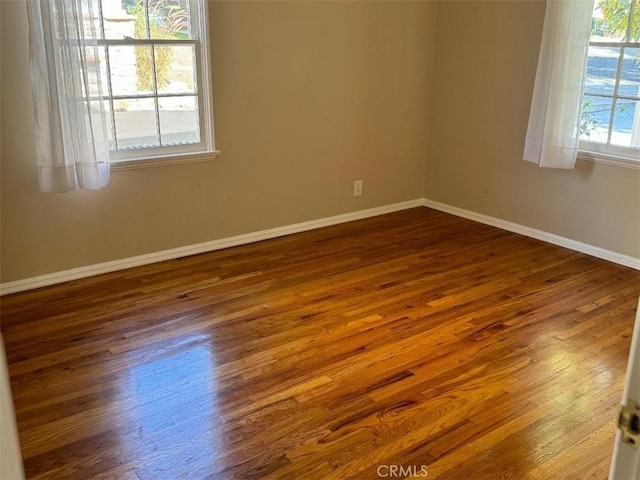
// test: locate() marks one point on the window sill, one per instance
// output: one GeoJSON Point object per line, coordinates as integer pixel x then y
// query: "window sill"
{"type": "Point", "coordinates": [163, 161]}
{"type": "Point", "coordinates": [609, 159]}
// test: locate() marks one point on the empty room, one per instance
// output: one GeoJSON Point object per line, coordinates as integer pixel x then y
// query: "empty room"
{"type": "Point", "coordinates": [319, 239]}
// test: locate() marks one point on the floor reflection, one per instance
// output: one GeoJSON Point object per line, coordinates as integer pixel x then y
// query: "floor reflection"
{"type": "Point", "coordinates": [172, 402]}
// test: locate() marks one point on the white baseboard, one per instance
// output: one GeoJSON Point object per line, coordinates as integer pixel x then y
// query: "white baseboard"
{"type": "Point", "coordinates": [598, 252]}
{"type": "Point", "coordinates": [115, 265]}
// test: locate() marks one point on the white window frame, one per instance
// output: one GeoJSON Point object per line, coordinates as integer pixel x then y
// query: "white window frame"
{"type": "Point", "coordinates": [606, 152]}
{"type": "Point", "coordinates": [136, 157]}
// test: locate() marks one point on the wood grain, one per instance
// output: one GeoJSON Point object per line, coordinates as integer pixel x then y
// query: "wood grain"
{"type": "Point", "coordinates": [413, 338]}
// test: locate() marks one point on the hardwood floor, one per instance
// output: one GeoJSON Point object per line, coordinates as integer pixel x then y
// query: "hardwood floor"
{"type": "Point", "coordinates": [407, 340]}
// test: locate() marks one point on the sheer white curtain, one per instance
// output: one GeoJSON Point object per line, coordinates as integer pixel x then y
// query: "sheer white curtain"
{"type": "Point", "coordinates": [71, 130]}
{"type": "Point", "coordinates": [554, 121]}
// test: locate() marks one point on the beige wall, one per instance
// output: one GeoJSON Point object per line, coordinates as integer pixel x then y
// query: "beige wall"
{"type": "Point", "coordinates": [309, 96]}
{"type": "Point", "coordinates": [486, 55]}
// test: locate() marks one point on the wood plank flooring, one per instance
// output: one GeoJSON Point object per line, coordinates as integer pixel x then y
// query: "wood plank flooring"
{"type": "Point", "coordinates": [410, 340]}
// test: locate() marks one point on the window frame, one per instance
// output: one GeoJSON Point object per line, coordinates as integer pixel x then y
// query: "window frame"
{"type": "Point", "coordinates": [607, 152]}
{"type": "Point", "coordinates": [136, 157]}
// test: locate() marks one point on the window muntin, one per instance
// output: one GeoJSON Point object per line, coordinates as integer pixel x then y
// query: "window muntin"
{"type": "Point", "coordinates": [153, 57]}
{"type": "Point", "coordinates": [610, 118]}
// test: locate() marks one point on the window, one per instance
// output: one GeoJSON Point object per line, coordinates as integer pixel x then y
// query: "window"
{"type": "Point", "coordinates": [154, 76]}
{"type": "Point", "coordinates": [610, 120]}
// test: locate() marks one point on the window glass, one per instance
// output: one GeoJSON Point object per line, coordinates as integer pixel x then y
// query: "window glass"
{"type": "Point", "coordinates": [151, 55]}
{"type": "Point", "coordinates": [610, 119]}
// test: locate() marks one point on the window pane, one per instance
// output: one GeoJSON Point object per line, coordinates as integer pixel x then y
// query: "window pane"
{"type": "Point", "coordinates": [169, 19]}
{"type": "Point", "coordinates": [626, 124]}
{"type": "Point", "coordinates": [602, 68]}
{"type": "Point", "coordinates": [594, 122]}
{"type": "Point", "coordinates": [94, 120]}
{"type": "Point", "coordinates": [131, 70]}
{"type": "Point", "coordinates": [91, 19]}
{"type": "Point", "coordinates": [136, 123]}
{"type": "Point", "coordinates": [123, 18]}
{"type": "Point", "coordinates": [93, 55]}
{"type": "Point", "coordinates": [630, 75]}
{"type": "Point", "coordinates": [179, 121]}
{"type": "Point", "coordinates": [610, 20]}
{"type": "Point", "coordinates": [175, 68]}
{"type": "Point", "coordinates": [152, 89]}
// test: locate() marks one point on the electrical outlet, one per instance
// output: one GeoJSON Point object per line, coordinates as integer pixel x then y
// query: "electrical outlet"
{"type": "Point", "coordinates": [357, 188]}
